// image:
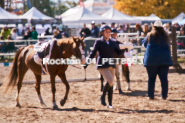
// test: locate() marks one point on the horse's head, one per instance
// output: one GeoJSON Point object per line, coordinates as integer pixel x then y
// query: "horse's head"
{"type": "Point", "coordinates": [79, 47]}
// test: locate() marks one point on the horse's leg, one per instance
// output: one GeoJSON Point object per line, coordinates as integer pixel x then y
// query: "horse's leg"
{"type": "Point", "coordinates": [102, 79]}
{"type": "Point", "coordinates": [63, 78]}
{"type": "Point", "coordinates": [125, 71]}
{"type": "Point", "coordinates": [52, 78]}
{"type": "Point", "coordinates": [37, 87]}
{"type": "Point", "coordinates": [118, 84]}
{"type": "Point", "coordinates": [21, 72]}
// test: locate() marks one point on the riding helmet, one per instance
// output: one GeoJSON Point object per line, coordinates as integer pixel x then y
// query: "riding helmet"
{"type": "Point", "coordinates": [113, 30]}
{"type": "Point", "coordinates": [102, 28]}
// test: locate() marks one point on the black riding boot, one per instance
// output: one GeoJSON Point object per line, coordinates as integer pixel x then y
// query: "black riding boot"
{"type": "Point", "coordinates": [105, 89]}
{"type": "Point", "coordinates": [101, 79]}
{"type": "Point", "coordinates": [110, 93]}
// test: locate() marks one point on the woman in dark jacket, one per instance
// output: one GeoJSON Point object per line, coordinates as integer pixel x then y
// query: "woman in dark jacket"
{"type": "Point", "coordinates": [106, 48]}
{"type": "Point", "coordinates": [157, 58]}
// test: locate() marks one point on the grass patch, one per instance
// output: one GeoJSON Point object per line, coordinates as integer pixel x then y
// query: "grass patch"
{"type": "Point", "coordinates": [181, 60]}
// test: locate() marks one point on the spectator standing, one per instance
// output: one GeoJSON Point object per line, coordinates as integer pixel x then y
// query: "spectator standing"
{"type": "Point", "coordinates": [168, 27]}
{"type": "Point", "coordinates": [181, 32]}
{"type": "Point", "coordinates": [14, 33]}
{"type": "Point", "coordinates": [181, 40]}
{"type": "Point", "coordinates": [23, 32]}
{"type": "Point", "coordinates": [157, 58]}
{"type": "Point", "coordinates": [47, 32]}
{"type": "Point", "coordinates": [180, 45]}
{"type": "Point", "coordinates": [113, 25]}
{"type": "Point", "coordinates": [128, 30]}
{"type": "Point", "coordinates": [59, 32]}
{"type": "Point", "coordinates": [5, 32]}
{"type": "Point", "coordinates": [57, 35]}
{"type": "Point", "coordinates": [145, 29]}
{"type": "Point", "coordinates": [53, 29]}
{"type": "Point", "coordinates": [94, 30]}
{"type": "Point", "coordinates": [2, 45]}
{"type": "Point", "coordinates": [139, 29]}
{"type": "Point", "coordinates": [9, 45]}
{"type": "Point", "coordinates": [177, 26]}
{"type": "Point", "coordinates": [120, 29]}
{"type": "Point", "coordinates": [27, 34]}
{"type": "Point", "coordinates": [85, 31]}
{"type": "Point", "coordinates": [34, 34]}
{"type": "Point", "coordinates": [103, 24]}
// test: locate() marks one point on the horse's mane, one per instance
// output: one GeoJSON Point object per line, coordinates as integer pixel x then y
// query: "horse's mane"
{"type": "Point", "coordinates": [67, 40]}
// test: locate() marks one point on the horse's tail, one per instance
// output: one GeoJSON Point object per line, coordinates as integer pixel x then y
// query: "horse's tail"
{"type": "Point", "coordinates": [11, 79]}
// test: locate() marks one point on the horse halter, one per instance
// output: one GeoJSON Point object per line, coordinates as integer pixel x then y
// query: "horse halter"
{"type": "Point", "coordinates": [82, 51]}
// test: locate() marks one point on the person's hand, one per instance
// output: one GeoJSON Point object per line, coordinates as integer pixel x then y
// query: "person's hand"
{"type": "Point", "coordinates": [85, 66]}
{"type": "Point", "coordinates": [126, 49]}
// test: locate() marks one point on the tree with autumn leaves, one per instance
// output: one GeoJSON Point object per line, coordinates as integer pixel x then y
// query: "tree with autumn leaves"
{"type": "Point", "coordinates": [161, 8]}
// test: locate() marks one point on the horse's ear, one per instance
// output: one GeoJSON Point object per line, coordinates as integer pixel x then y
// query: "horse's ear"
{"type": "Point", "coordinates": [74, 39]}
{"type": "Point", "coordinates": [82, 38]}
{"type": "Point", "coordinates": [74, 42]}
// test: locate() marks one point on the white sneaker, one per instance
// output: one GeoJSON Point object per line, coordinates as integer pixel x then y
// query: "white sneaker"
{"type": "Point", "coordinates": [109, 106]}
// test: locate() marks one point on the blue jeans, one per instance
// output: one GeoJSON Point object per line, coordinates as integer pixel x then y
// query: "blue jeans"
{"type": "Point", "coordinates": [162, 72]}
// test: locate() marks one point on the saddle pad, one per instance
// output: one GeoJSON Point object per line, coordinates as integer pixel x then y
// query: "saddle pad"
{"type": "Point", "coordinates": [40, 48]}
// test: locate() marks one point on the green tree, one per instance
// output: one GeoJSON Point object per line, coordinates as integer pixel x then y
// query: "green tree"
{"type": "Point", "coordinates": [2, 3]}
{"type": "Point", "coordinates": [161, 8]}
{"type": "Point", "coordinates": [44, 7]}
{"type": "Point", "coordinates": [72, 3]}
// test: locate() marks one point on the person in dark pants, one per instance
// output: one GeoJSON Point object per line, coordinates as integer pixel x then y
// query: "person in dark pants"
{"type": "Point", "coordinates": [157, 58]}
{"type": "Point", "coordinates": [106, 48]}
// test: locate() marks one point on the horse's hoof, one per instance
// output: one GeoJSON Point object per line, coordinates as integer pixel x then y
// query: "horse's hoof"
{"type": "Point", "coordinates": [18, 105]}
{"type": "Point", "coordinates": [129, 89]}
{"type": "Point", "coordinates": [55, 107]}
{"type": "Point", "coordinates": [43, 105]}
{"type": "Point", "coordinates": [62, 102]}
{"type": "Point", "coordinates": [120, 91]}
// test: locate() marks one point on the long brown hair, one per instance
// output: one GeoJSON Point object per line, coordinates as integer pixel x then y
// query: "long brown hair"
{"type": "Point", "coordinates": [158, 32]}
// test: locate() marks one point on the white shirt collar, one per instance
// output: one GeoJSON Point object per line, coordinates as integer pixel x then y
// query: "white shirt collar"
{"type": "Point", "coordinates": [113, 39]}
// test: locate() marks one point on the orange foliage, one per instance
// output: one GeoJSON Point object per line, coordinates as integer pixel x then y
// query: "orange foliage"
{"type": "Point", "coordinates": [161, 8]}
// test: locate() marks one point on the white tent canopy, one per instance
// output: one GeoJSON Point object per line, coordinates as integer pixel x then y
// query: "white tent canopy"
{"type": "Point", "coordinates": [180, 17]}
{"type": "Point", "coordinates": [118, 17]}
{"type": "Point", "coordinates": [94, 6]}
{"type": "Point", "coordinates": [34, 14]}
{"type": "Point", "coordinates": [7, 15]}
{"type": "Point", "coordinates": [69, 12]}
{"type": "Point", "coordinates": [83, 15]}
{"type": "Point", "coordinates": [152, 17]}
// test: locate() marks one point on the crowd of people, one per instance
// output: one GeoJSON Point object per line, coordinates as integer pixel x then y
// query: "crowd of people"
{"type": "Point", "coordinates": [142, 31]}
{"type": "Point", "coordinates": [29, 33]}
{"type": "Point", "coordinates": [7, 34]}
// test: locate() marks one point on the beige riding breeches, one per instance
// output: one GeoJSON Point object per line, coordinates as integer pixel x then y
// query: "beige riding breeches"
{"type": "Point", "coordinates": [108, 74]}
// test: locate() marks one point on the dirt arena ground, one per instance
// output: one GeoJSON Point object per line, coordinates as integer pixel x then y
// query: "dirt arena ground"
{"type": "Point", "coordinates": [83, 103]}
